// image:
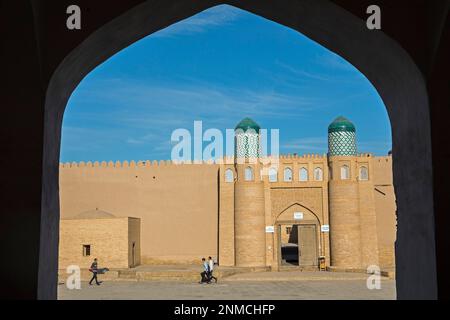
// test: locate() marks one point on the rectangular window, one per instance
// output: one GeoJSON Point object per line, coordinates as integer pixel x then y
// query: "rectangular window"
{"type": "Point", "coordinates": [86, 250]}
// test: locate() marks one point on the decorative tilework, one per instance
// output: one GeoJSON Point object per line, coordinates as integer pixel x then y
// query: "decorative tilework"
{"type": "Point", "coordinates": [247, 144]}
{"type": "Point", "coordinates": [342, 143]}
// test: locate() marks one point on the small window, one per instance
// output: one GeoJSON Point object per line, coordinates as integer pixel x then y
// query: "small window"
{"type": "Point", "coordinates": [363, 173]}
{"type": "Point", "coordinates": [86, 250]}
{"type": "Point", "coordinates": [229, 177]}
{"type": "Point", "coordinates": [273, 175]}
{"type": "Point", "coordinates": [288, 230]}
{"type": "Point", "coordinates": [248, 174]}
{"type": "Point", "coordinates": [287, 174]}
{"type": "Point", "coordinates": [303, 174]}
{"type": "Point", "coordinates": [318, 174]}
{"type": "Point", "coordinates": [345, 172]}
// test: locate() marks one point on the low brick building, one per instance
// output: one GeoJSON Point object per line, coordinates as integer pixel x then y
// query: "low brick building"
{"type": "Point", "coordinates": [114, 241]}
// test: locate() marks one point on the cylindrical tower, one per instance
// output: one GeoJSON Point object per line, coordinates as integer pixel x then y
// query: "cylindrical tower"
{"type": "Point", "coordinates": [345, 227]}
{"type": "Point", "coordinates": [341, 138]}
{"type": "Point", "coordinates": [249, 220]}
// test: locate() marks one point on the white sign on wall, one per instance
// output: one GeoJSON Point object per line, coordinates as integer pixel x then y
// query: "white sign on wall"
{"type": "Point", "coordinates": [325, 228]}
{"type": "Point", "coordinates": [298, 215]}
{"type": "Point", "coordinates": [270, 229]}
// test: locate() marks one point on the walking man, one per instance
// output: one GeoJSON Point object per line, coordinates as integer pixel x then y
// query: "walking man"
{"type": "Point", "coordinates": [205, 272]}
{"type": "Point", "coordinates": [211, 268]}
{"type": "Point", "coordinates": [94, 270]}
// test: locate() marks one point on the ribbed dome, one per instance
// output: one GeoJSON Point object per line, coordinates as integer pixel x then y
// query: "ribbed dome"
{"type": "Point", "coordinates": [341, 124]}
{"type": "Point", "coordinates": [248, 123]}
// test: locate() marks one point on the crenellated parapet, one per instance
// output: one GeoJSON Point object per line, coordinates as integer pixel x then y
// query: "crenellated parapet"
{"type": "Point", "coordinates": [158, 163]}
{"type": "Point", "coordinates": [131, 164]}
{"type": "Point", "coordinates": [303, 156]}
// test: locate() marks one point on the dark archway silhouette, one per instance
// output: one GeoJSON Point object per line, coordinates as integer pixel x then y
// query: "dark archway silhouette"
{"type": "Point", "coordinates": [388, 67]}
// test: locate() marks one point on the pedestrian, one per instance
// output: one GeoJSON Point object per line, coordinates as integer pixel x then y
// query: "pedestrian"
{"type": "Point", "coordinates": [205, 272]}
{"type": "Point", "coordinates": [94, 270]}
{"type": "Point", "coordinates": [211, 269]}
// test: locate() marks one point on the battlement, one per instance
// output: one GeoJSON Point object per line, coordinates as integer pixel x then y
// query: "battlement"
{"type": "Point", "coordinates": [382, 160]}
{"type": "Point", "coordinates": [128, 164]}
{"type": "Point", "coordinates": [303, 156]}
{"type": "Point", "coordinates": [157, 163]}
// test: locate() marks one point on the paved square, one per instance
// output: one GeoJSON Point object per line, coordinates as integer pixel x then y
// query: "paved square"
{"type": "Point", "coordinates": [269, 288]}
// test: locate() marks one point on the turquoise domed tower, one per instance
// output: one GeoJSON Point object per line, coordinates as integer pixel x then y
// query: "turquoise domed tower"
{"type": "Point", "coordinates": [343, 196]}
{"type": "Point", "coordinates": [247, 139]}
{"type": "Point", "coordinates": [341, 138]}
{"type": "Point", "coordinates": [249, 204]}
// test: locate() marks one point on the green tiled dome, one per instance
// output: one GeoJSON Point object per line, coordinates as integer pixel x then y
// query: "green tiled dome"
{"type": "Point", "coordinates": [246, 140]}
{"type": "Point", "coordinates": [341, 138]}
{"type": "Point", "coordinates": [341, 124]}
{"type": "Point", "coordinates": [248, 123]}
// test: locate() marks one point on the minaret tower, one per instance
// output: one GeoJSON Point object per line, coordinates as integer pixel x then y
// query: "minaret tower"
{"type": "Point", "coordinates": [345, 230]}
{"type": "Point", "coordinates": [249, 220]}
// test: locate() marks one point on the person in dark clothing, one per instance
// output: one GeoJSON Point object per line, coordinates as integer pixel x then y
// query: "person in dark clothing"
{"type": "Point", "coordinates": [94, 270]}
{"type": "Point", "coordinates": [205, 272]}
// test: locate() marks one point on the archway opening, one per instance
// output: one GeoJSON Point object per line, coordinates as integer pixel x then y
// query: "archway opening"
{"type": "Point", "coordinates": [131, 107]}
{"type": "Point", "coordinates": [300, 241]}
{"type": "Point", "coordinates": [426, 247]}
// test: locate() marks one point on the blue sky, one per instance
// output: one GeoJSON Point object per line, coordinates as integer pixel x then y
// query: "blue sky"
{"type": "Point", "coordinates": [219, 66]}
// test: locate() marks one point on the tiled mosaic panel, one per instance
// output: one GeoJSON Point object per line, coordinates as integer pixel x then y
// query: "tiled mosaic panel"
{"type": "Point", "coordinates": [342, 143]}
{"type": "Point", "coordinates": [247, 145]}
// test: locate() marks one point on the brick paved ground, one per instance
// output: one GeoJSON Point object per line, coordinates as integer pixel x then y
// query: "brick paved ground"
{"type": "Point", "coordinates": [301, 286]}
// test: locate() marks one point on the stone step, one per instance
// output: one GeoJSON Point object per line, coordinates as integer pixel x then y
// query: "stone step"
{"type": "Point", "coordinates": [388, 273]}
{"type": "Point", "coordinates": [162, 273]}
{"type": "Point", "coordinates": [298, 268]}
{"type": "Point", "coordinates": [86, 275]}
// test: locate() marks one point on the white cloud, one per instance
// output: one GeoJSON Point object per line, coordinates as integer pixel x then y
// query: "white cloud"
{"type": "Point", "coordinates": [308, 144]}
{"type": "Point", "coordinates": [157, 107]}
{"type": "Point", "coordinates": [212, 17]}
{"type": "Point", "coordinates": [332, 61]}
{"type": "Point", "coordinates": [303, 73]}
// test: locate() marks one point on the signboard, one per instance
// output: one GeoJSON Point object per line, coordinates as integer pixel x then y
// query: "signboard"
{"type": "Point", "coordinates": [325, 228]}
{"type": "Point", "coordinates": [298, 215]}
{"type": "Point", "coordinates": [270, 229]}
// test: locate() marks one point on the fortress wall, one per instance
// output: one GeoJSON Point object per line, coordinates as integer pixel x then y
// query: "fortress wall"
{"type": "Point", "coordinates": [368, 219]}
{"type": "Point", "coordinates": [177, 204]}
{"type": "Point", "coordinates": [386, 224]}
{"type": "Point", "coordinates": [226, 218]}
{"type": "Point", "coordinates": [382, 171]}
{"type": "Point", "coordinates": [271, 243]}
{"type": "Point", "coordinates": [386, 210]}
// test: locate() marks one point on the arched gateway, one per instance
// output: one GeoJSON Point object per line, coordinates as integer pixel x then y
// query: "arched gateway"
{"type": "Point", "coordinates": [61, 59]}
{"type": "Point", "coordinates": [393, 74]}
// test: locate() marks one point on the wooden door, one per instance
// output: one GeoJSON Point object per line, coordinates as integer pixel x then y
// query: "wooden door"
{"type": "Point", "coordinates": [307, 245]}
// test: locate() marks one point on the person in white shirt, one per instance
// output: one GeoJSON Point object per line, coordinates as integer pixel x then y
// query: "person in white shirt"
{"type": "Point", "coordinates": [211, 268]}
